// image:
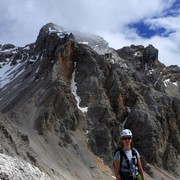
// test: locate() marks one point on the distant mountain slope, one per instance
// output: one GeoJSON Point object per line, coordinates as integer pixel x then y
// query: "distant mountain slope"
{"type": "Point", "coordinates": [64, 98]}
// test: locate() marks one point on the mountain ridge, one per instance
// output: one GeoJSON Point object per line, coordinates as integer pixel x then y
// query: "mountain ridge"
{"type": "Point", "coordinates": [127, 87]}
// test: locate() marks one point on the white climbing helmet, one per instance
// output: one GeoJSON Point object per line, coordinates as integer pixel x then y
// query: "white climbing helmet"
{"type": "Point", "coordinates": [126, 132]}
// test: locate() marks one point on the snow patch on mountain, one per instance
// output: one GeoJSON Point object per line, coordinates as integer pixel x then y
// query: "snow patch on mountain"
{"type": "Point", "coordinates": [74, 91]}
{"type": "Point", "coordinates": [9, 72]}
{"type": "Point", "coordinates": [168, 81]}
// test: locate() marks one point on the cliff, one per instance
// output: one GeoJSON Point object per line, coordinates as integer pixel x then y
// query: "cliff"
{"type": "Point", "coordinates": [64, 99]}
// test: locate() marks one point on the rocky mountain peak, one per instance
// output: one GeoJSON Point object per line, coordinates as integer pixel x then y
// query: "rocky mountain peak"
{"type": "Point", "coordinates": [64, 99]}
{"type": "Point", "coordinates": [141, 57]}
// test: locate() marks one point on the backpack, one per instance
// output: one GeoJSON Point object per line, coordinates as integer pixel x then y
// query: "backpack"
{"type": "Point", "coordinates": [123, 155]}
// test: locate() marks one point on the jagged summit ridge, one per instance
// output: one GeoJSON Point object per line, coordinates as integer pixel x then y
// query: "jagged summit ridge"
{"type": "Point", "coordinates": [97, 43]}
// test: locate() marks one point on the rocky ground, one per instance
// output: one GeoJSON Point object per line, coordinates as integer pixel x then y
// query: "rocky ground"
{"type": "Point", "coordinates": [16, 169]}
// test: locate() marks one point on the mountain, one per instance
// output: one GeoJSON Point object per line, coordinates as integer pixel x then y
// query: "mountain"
{"type": "Point", "coordinates": [64, 99]}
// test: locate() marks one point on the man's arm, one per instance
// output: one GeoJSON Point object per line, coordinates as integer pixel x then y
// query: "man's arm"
{"type": "Point", "coordinates": [116, 169]}
{"type": "Point", "coordinates": [140, 169]}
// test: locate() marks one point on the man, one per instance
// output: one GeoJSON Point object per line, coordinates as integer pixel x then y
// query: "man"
{"type": "Point", "coordinates": [127, 163]}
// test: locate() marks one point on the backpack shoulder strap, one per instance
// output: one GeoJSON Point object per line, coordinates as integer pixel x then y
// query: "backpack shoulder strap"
{"type": "Point", "coordinates": [117, 150]}
{"type": "Point", "coordinates": [134, 153]}
{"type": "Point", "coordinates": [122, 153]}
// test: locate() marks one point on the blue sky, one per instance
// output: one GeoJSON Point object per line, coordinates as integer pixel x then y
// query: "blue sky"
{"type": "Point", "coordinates": [144, 30]}
{"type": "Point", "coordinates": [120, 23]}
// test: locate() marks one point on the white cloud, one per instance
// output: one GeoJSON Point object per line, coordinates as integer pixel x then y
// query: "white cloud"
{"type": "Point", "coordinates": [21, 21]}
{"type": "Point", "coordinates": [169, 47]}
{"type": "Point", "coordinates": [169, 23]}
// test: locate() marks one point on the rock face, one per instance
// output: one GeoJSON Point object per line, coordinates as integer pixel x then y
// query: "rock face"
{"type": "Point", "coordinates": [63, 103]}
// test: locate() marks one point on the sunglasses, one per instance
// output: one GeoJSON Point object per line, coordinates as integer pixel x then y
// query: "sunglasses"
{"type": "Point", "coordinates": [124, 138]}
